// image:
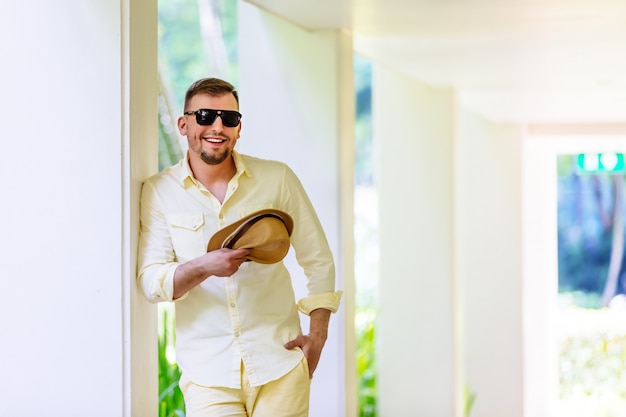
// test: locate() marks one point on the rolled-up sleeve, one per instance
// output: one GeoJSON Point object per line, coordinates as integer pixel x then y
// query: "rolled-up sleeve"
{"type": "Point", "coordinates": [156, 261]}
{"type": "Point", "coordinates": [329, 301]}
{"type": "Point", "coordinates": [311, 248]}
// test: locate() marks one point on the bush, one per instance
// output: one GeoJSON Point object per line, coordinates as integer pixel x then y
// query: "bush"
{"type": "Point", "coordinates": [591, 363]}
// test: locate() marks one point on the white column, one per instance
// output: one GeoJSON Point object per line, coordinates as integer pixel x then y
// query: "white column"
{"type": "Point", "coordinates": [413, 133]}
{"type": "Point", "coordinates": [297, 100]}
{"type": "Point", "coordinates": [78, 83]}
{"type": "Point", "coordinates": [140, 160]}
{"type": "Point", "coordinates": [488, 215]}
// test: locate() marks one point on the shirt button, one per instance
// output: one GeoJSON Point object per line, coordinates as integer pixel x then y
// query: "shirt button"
{"type": "Point", "coordinates": [237, 334]}
{"type": "Point", "coordinates": [232, 305]}
{"type": "Point", "coordinates": [221, 216]}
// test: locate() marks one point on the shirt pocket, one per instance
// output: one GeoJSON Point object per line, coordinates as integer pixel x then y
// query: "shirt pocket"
{"type": "Point", "coordinates": [187, 234]}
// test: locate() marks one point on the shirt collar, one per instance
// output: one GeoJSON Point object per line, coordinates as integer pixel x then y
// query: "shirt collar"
{"type": "Point", "coordinates": [241, 165]}
{"type": "Point", "coordinates": [187, 174]}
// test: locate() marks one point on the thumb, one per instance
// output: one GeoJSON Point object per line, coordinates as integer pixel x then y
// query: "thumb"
{"type": "Point", "coordinates": [298, 341]}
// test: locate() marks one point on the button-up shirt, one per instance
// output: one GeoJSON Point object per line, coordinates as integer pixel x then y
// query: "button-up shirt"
{"type": "Point", "coordinates": [246, 317]}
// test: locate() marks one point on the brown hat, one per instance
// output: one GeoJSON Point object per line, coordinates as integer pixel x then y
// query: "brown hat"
{"type": "Point", "coordinates": [266, 232]}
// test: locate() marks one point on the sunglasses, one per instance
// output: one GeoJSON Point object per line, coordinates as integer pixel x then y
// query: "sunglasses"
{"type": "Point", "coordinates": [206, 117]}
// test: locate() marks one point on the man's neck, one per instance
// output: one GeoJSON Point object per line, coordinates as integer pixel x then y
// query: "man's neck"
{"type": "Point", "coordinates": [214, 177]}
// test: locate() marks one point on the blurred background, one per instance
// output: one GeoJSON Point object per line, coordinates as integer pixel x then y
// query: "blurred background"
{"type": "Point", "coordinates": [465, 158]}
{"type": "Point", "coordinates": [199, 38]}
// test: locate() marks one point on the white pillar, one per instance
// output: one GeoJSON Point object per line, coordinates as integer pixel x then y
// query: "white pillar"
{"type": "Point", "coordinates": [488, 215]}
{"type": "Point", "coordinates": [78, 83]}
{"type": "Point", "coordinates": [297, 102]}
{"type": "Point", "coordinates": [413, 133]}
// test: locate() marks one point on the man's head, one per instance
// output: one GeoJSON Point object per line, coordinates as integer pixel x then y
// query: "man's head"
{"type": "Point", "coordinates": [211, 121]}
{"type": "Point", "coordinates": [212, 87]}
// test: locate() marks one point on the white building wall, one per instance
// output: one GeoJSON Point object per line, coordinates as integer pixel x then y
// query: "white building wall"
{"type": "Point", "coordinates": [77, 83]}
{"type": "Point", "coordinates": [488, 209]}
{"type": "Point", "coordinates": [413, 129]}
{"type": "Point", "coordinates": [297, 98]}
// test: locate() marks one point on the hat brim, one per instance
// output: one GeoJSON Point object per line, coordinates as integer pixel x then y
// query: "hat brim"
{"type": "Point", "coordinates": [270, 250]}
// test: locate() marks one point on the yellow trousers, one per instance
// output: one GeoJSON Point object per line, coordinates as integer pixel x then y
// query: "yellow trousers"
{"type": "Point", "coordinates": [287, 396]}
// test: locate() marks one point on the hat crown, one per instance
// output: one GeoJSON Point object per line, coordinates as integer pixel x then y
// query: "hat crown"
{"type": "Point", "coordinates": [258, 230]}
{"type": "Point", "coordinates": [266, 233]}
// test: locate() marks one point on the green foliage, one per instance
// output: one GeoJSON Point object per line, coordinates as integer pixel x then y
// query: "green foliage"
{"type": "Point", "coordinates": [171, 403]}
{"type": "Point", "coordinates": [227, 10]}
{"type": "Point", "coordinates": [469, 398]}
{"type": "Point", "coordinates": [591, 364]}
{"type": "Point", "coordinates": [170, 151]}
{"type": "Point", "coordinates": [366, 363]}
{"type": "Point", "coordinates": [184, 56]}
{"type": "Point", "coordinates": [565, 165]}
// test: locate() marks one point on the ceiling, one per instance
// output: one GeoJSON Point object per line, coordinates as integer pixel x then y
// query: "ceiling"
{"type": "Point", "coordinates": [534, 61]}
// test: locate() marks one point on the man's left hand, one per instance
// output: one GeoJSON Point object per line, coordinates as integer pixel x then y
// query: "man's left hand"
{"type": "Point", "coordinates": [313, 343]}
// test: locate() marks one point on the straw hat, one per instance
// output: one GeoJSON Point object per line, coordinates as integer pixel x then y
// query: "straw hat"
{"type": "Point", "coordinates": [266, 232]}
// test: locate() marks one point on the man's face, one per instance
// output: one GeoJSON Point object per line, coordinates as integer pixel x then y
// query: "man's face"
{"type": "Point", "coordinates": [214, 143]}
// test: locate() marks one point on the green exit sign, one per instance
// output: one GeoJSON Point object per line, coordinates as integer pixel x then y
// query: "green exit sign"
{"type": "Point", "coordinates": [600, 162]}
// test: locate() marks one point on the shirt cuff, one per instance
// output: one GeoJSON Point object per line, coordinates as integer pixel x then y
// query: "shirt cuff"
{"type": "Point", "coordinates": [162, 287]}
{"type": "Point", "coordinates": [327, 300]}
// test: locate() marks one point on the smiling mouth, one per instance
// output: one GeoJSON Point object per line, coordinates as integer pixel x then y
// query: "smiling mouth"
{"type": "Point", "coordinates": [214, 140]}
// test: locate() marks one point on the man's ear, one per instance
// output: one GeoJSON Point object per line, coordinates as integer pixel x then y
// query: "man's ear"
{"type": "Point", "coordinates": [182, 125]}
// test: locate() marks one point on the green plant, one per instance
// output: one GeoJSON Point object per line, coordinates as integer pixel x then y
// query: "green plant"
{"type": "Point", "coordinates": [468, 398]}
{"type": "Point", "coordinates": [592, 360]}
{"type": "Point", "coordinates": [171, 402]}
{"type": "Point", "coordinates": [366, 364]}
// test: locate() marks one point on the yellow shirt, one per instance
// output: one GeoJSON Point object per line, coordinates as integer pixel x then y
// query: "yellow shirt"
{"type": "Point", "coordinates": [250, 315]}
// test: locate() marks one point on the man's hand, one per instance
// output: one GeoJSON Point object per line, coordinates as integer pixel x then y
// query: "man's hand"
{"type": "Point", "coordinates": [224, 262]}
{"type": "Point", "coordinates": [313, 343]}
{"type": "Point", "coordinates": [220, 263]}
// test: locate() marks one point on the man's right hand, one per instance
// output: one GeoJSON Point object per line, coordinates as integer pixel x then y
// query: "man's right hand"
{"type": "Point", "coordinates": [220, 263]}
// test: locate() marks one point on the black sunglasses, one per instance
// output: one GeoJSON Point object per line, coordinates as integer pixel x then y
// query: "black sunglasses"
{"type": "Point", "coordinates": [206, 117]}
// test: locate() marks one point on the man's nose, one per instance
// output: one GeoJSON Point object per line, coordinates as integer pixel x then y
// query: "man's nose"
{"type": "Point", "coordinates": [217, 123]}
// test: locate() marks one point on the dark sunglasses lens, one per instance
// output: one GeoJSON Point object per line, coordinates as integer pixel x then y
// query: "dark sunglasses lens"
{"type": "Point", "coordinates": [230, 118]}
{"type": "Point", "coordinates": [205, 117]}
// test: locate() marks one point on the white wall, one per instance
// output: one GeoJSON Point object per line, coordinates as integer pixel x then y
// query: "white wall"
{"type": "Point", "coordinates": [70, 90]}
{"type": "Point", "coordinates": [489, 262]}
{"type": "Point", "coordinates": [413, 133]}
{"type": "Point", "coordinates": [297, 103]}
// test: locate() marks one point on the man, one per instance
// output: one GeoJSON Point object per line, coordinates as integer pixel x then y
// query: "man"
{"type": "Point", "coordinates": [238, 338]}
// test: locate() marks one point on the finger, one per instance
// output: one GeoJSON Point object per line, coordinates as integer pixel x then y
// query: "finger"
{"type": "Point", "coordinates": [297, 342]}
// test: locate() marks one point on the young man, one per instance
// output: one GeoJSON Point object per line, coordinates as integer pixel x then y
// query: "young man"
{"type": "Point", "coordinates": [238, 338]}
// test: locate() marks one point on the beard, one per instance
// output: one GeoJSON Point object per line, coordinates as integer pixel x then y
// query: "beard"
{"type": "Point", "coordinates": [214, 159]}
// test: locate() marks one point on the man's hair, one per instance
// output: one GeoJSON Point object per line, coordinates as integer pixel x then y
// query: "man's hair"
{"type": "Point", "coordinates": [211, 86]}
